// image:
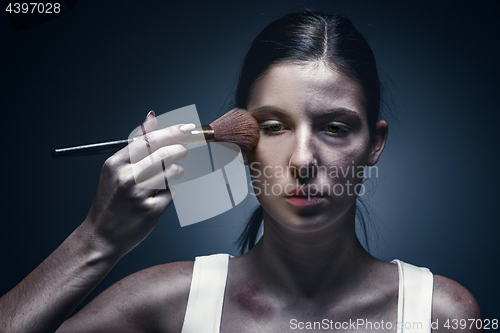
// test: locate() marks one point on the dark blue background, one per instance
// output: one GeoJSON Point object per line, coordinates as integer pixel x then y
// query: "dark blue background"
{"type": "Point", "coordinates": [93, 73]}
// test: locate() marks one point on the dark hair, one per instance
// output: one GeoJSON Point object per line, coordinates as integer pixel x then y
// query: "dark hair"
{"type": "Point", "coordinates": [304, 37]}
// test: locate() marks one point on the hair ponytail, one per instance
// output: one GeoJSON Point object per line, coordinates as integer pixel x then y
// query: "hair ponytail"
{"type": "Point", "coordinates": [248, 237]}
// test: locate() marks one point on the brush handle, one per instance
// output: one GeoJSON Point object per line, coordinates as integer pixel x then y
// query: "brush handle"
{"type": "Point", "coordinates": [200, 134]}
{"type": "Point", "coordinates": [108, 147]}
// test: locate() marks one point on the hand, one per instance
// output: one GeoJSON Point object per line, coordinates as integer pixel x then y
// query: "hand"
{"type": "Point", "coordinates": [129, 199]}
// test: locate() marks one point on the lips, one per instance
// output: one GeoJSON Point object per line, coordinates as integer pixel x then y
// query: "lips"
{"type": "Point", "coordinates": [305, 201]}
{"type": "Point", "coordinates": [301, 197]}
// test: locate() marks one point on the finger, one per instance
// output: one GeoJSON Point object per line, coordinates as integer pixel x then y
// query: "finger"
{"type": "Point", "coordinates": [150, 124]}
{"type": "Point", "coordinates": [167, 171]}
{"type": "Point", "coordinates": [150, 142]}
{"type": "Point", "coordinates": [157, 161]}
{"type": "Point", "coordinates": [162, 199]}
{"type": "Point", "coordinates": [159, 180]}
{"type": "Point", "coordinates": [167, 155]}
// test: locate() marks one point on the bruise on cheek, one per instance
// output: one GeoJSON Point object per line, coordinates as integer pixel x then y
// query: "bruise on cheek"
{"type": "Point", "coordinates": [248, 298]}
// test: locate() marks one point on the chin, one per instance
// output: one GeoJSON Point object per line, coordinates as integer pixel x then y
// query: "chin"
{"type": "Point", "coordinates": [308, 218]}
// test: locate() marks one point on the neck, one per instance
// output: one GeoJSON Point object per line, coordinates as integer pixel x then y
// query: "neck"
{"type": "Point", "coordinates": [312, 262]}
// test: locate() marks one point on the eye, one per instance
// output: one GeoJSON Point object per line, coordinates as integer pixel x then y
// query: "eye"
{"type": "Point", "coordinates": [333, 128]}
{"type": "Point", "coordinates": [273, 128]}
{"type": "Point", "coordinates": [336, 129]}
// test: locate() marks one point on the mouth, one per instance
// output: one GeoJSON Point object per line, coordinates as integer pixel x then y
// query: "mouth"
{"type": "Point", "coordinates": [299, 197]}
{"type": "Point", "coordinates": [299, 201]}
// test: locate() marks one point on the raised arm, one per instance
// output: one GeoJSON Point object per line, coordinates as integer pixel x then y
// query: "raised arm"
{"type": "Point", "coordinates": [125, 209]}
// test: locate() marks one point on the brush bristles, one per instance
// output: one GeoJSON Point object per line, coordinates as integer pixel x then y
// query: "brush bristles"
{"type": "Point", "coordinates": [239, 127]}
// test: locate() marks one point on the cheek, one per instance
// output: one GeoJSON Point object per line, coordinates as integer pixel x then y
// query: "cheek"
{"type": "Point", "coordinates": [356, 156]}
{"type": "Point", "coordinates": [268, 157]}
{"type": "Point", "coordinates": [340, 166]}
{"type": "Point", "coordinates": [269, 160]}
{"type": "Point", "coordinates": [356, 150]}
{"type": "Point", "coordinates": [269, 172]}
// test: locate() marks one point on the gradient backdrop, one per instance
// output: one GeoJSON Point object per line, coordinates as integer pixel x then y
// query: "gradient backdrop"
{"type": "Point", "coordinates": [93, 73]}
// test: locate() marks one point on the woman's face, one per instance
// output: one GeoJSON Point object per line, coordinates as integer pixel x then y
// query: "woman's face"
{"type": "Point", "coordinates": [314, 143]}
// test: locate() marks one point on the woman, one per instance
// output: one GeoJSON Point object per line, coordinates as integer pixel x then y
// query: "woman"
{"type": "Point", "coordinates": [311, 82]}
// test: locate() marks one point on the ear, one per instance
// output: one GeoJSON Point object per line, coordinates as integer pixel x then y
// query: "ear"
{"type": "Point", "coordinates": [378, 143]}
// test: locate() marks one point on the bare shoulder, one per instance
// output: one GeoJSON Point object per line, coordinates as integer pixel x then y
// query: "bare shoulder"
{"type": "Point", "coordinates": [451, 303]}
{"type": "Point", "coordinates": [153, 299]}
{"type": "Point", "coordinates": [164, 281]}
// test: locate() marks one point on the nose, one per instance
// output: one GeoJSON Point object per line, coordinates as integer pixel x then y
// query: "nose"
{"type": "Point", "coordinates": [303, 162]}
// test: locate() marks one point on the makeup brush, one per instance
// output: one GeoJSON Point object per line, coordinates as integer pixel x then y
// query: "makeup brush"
{"type": "Point", "coordinates": [236, 126]}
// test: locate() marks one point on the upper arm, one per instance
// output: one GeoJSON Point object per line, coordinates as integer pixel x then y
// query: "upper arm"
{"type": "Point", "coordinates": [452, 303]}
{"type": "Point", "coordinates": [147, 301]}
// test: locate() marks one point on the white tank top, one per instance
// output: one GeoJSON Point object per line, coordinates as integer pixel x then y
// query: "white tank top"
{"type": "Point", "coordinates": [206, 296]}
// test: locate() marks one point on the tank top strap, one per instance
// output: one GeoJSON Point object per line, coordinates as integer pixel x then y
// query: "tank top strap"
{"type": "Point", "coordinates": [206, 294]}
{"type": "Point", "coordinates": [414, 298]}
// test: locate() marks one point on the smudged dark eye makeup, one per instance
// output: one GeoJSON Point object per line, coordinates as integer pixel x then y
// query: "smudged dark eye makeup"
{"type": "Point", "coordinates": [330, 129]}
{"type": "Point", "coordinates": [336, 129]}
{"type": "Point", "coordinates": [333, 123]}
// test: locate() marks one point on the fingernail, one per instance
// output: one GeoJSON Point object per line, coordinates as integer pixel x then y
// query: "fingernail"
{"type": "Point", "coordinates": [187, 128]}
{"type": "Point", "coordinates": [172, 192]}
{"type": "Point", "coordinates": [150, 114]}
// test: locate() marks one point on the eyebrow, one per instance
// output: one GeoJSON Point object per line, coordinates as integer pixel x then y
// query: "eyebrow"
{"type": "Point", "coordinates": [337, 111]}
{"type": "Point", "coordinates": [268, 108]}
{"type": "Point", "coordinates": [323, 114]}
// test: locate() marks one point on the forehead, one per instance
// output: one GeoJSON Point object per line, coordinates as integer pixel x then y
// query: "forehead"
{"type": "Point", "coordinates": [312, 86]}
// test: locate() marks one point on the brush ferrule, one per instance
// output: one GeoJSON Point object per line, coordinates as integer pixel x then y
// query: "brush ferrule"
{"type": "Point", "coordinates": [200, 134]}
